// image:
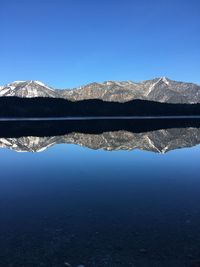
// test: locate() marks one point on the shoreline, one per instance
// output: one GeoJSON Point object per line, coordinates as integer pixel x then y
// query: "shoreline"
{"type": "Point", "coordinates": [75, 118]}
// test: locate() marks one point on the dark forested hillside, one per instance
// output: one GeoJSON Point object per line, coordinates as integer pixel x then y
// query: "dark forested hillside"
{"type": "Point", "coordinates": [53, 107]}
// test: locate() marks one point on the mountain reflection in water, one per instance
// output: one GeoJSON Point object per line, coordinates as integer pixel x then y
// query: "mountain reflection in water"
{"type": "Point", "coordinates": [151, 136]}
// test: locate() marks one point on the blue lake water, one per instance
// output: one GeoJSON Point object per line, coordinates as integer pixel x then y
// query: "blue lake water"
{"type": "Point", "coordinates": [70, 205]}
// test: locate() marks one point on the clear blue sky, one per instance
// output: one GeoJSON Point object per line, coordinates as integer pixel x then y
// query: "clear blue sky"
{"type": "Point", "coordinates": [67, 43]}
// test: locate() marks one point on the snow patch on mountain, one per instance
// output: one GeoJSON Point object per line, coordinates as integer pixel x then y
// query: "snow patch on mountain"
{"type": "Point", "coordinates": [40, 83]}
{"type": "Point", "coordinates": [162, 79]}
{"type": "Point", "coordinates": [3, 91]}
{"type": "Point", "coordinates": [44, 85]}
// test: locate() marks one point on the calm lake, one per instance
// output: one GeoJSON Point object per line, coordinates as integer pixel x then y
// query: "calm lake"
{"type": "Point", "coordinates": [117, 194]}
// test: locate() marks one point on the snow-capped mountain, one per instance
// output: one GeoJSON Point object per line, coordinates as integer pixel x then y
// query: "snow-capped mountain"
{"type": "Point", "coordinates": [27, 89]}
{"type": "Point", "coordinates": [159, 89]}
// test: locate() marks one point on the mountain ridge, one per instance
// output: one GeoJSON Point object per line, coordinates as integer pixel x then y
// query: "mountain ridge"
{"type": "Point", "coordinates": [160, 89]}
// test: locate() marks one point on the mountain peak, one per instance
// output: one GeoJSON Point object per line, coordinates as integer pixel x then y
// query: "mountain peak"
{"type": "Point", "coordinates": [165, 80]}
{"type": "Point", "coordinates": [27, 89]}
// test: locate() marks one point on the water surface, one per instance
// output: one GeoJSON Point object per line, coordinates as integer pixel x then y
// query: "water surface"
{"type": "Point", "coordinates": [115, 198]}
